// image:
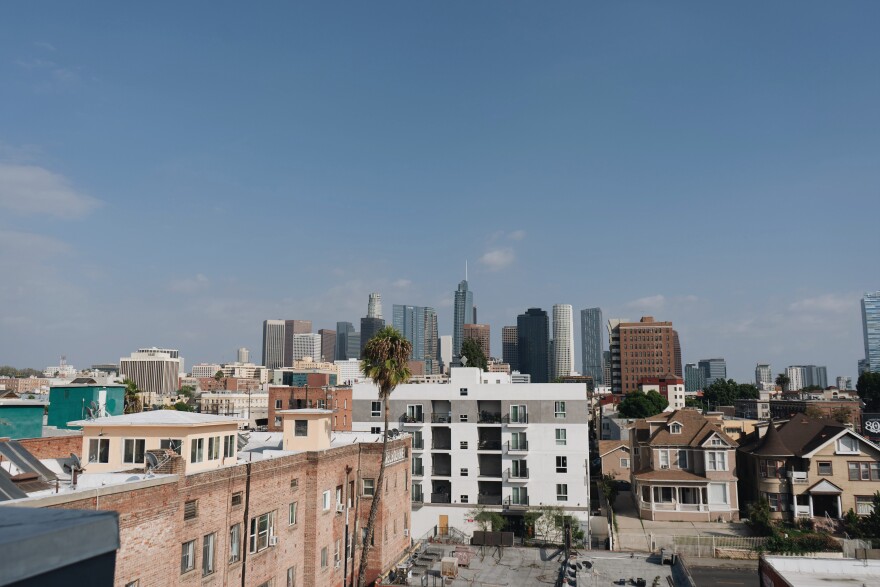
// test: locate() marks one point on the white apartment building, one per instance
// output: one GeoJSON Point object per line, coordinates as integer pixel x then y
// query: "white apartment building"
{"type": "Point", "coordinates": [205, 369]}
{"type": "Point", "coordinates": [349, 372]}
{"type": "Point", "coordinates": [563, 341]}
{"type": "Point", "coordinates": [154, 370]}
{"type": "Point", "coordinates": [306, 345]}
{"type": "Point", "coordinates": [795, 378]}
{"type": "Point", "coordinates": [509, 447]}
{"type": "Point", "coordinates": [246, 406]}
{"type": "Point", "coordinates": [246, 371]}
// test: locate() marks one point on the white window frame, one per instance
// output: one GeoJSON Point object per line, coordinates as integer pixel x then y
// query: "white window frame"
{"type": "Point", "coordinates": [716, 460]}
{"type": "Point", "coordinates": [297, 425]}
{"type": "Point", "coordinates": [624, 463]}
{"type": "Point", "coordinates": [133, 444]}
{"type": "Point", "coordinates": [841, 449]}
{"type": "Point", "coordinates": [95, 448]}
{"type": "Point", "coordinates": [561, 439]}
{"type": "Point", "coordinates": [562, 492]}
{"type": "Point", "coordinates": [324, 560]}
{"type": "Point", "coordinates": [196, 450]}
{"type": "Point", "coordinates": [258, 540]}
{"type": "Point", "coordinates": [291, 513]}
{"type": "Point", "coordinates": [683, 453]}
{"type": "Point", "coordinates": [325, 500]}
{"type": "Point", "coordinates": [663, 458]}
{"type": "Point", "coordinates": [372, 487]}
{"type": "Point", "coordinates": [235, 543]}
{"type": "Point", "coordinates": [559, 409]}
{"type": "Point", "coordinates": [209, 546]}
{"type": "Point", "coordinates": [187, 556]}
{"type": "Point", "coordinates": [562, 464]}
{"type": "Point", "coordinates": [213, 448]}
{"type": "Point", "coordinates": [375, 409]}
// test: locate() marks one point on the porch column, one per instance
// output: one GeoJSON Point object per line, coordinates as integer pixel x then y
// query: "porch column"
{"type": "Point", "coordinates": [677, 499]}
{"type": "Point", "coordinates": [811, 505]}
{"type": "Point", "coordinates": [839, 508]}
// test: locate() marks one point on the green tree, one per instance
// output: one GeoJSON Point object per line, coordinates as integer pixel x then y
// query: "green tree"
{"type": "Point", "coordinates": [548, 523]}
{"type": "Point", "coordinates": [186, 391]}
{"type": "Point", "coordinates": [871, 523]}
{"type": "Point", "coordinates": [782, 380]}
{"type": "Point", "coordinates": [132, 397]}
{"type": "Point", "coordinates": [608, 486]}
{"type": "Point", "coordinates": [638, 404]}
{"type": "Point", "coordinates": [218, 375]}
{"type": "Point", "coordinates": [725, 393]}
{"type": "Point", "coordinates": [759, 517]}
{"type": "Point", "coordinates": [868, 388]}
{"type": "Point", "coordinates": [183, 407]}
{"type": "Point", "coordinates": [472, 350]}
{"type": "Point", "coordinates": [385, 362]}
{"type": "Point", "coordinates": [487, 520]}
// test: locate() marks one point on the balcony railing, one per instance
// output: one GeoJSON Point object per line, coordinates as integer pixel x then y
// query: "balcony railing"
{"type": "Point", "coordinates": [490, 473]}
{"type": "Point", "coordinates": [520, 446]}
{"type": "Point", "coordinates": [413, 419]}
{"type": "Point", "coordinates": [799, 477]}
{"type": "Point", "coordinates": [418, 444]}
{"type": "Point", "coordinates": [521, 475]}
{"type": "Point", "coordinates": [441, 472]}
{"type": "Point", "coordinates": [418, 470]}
{"type": "Point", "coordinates": [511, 419]}
{"type": "Point", "coordinates": [441, 417]}
{"type": "Point", "coordinates": [489, 445]}
{"type": "Point", "coordinates": [441, 498]}
{"type": "Point", "coordinates": [489, 418]}
{"type": "Point", "coordinates": [441, 444]}
{"type": "Point", "coordinates": [489, 499]}
{"type": "Point", "coordinates": [513, 501]}
{"type": "Point", "coordinates": [683, 507]}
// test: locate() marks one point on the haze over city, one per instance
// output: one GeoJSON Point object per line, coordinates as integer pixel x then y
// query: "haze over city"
{"type": "Point", "coordinates": [175, 179]}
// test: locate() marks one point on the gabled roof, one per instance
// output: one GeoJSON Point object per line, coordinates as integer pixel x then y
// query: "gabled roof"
{"type": "Point", "coordinates": [801, 435]}
{"type": "Point", "coordinates": [772, 444]}
{"type": "Point", "coordinates": [609, 446]}
{"type": "Point", "coordinates": [825, 486]}
{"type": "Point", "coordinates": [159, 418]}
{"type": "Point", "coordinates": [695, 429]}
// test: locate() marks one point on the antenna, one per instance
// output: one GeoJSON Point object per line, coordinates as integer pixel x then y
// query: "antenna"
{"type": "Point", "coordinates": [465, 269]}
{"type": "Point", "coordinates": [76, 463]}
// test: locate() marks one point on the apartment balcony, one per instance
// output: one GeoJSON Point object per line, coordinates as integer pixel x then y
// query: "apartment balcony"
{"type": "Point", "coordinates": [418, 470]}
{"type": "Point", "coordinates": [441, 418]}
{"type": "Point", "coordinates": [683, 507]}
{"type": "Point", "coordinates": [521, 476]}
{"type": "Point", "coordinates": [490, 473]}
{"type": "Point", "coordinates": [489, 418]}
{"type": "Point", "coordinates": [489, 445]}
{"type": "Point", "coordinates": [516, 419]}
{"type": "Point", "coordinates": [522, 446]}
{"type": "Point", "coordinates": [799, 477]}
{"type": "Point", "coordinates": [441, 498]}
{"type": "Point", "coordinates": [412, 419]}
{"type": "Point", "coordinates": [521, 501]}
{"type": "Point", "coordinates": [441, 444]}
{"type": "Point", "coordinates": [441, 472]}
{"type": "Point", "coordinates": [489, 499]}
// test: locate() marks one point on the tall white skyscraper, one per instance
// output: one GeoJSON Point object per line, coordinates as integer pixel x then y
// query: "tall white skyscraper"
{"type": "Point", "coordinates": [374, 306]}
{"type": "Point", "coordinates": [244, 355]}
{"type": "Point", "coordinates": [763, 375]}
{"type": "Point", "coordinates": [306, 345]}
{"type": "Point", "coordinates": [563, 341]}
{"type": "Point", "coordinates": [871, 330]}
{"type": "Point", "coordinates": [155, 370]}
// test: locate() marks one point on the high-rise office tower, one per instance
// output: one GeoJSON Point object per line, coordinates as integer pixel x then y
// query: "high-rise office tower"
{"type": "Point", "coordinates": [445, 345]}
{"type": "Point", "coordinates": [273, 344]}
{"type": "Point", "coordinates": [802, 376]}
{"type": "Point", "coordinates": [639, 349]}
{"type": "Point", "coordinates": [244, 355]}
{"type": "Point", "coordinates": [370, 327]}
{"type": "Point", "coordinates": [374, 306]}
{"type": "Point", "coordinates": [344, 332]}
{"type": "Point", "coordinates": [844, 382]}
{"type": "Point", "coordinates": [509, 353]}
{"type": "Point", "coordinates": [328, 344]}
{"type": "Point", "coordinates": [156, 371]}
{"type": "Point", "coordinates": [562, 362]}
{"type": "Point", "coordinates": [292, 327]}
{"type": "Point", "coordinates": [474, 317]}
{"type": "Point", "coordinates": [463, 313]}
{"type": "Point", "coordinates": [693, 378]}
{"type": "Point", "coordinates": [713, 369]}
{"type": "Point", "coordinates": [606, 368]}
{"type": "Point", "coordinates": [306, 345]}
{"type": "Point", "coordinates": [353, 345]}
{"type": "Point", "coordinates": [533, 344]}
{"type": "Point", "coordinates": [591, 345]}
{"type": "Point", "coordinates": [676, 344]}
{"type": "Point", "coordinates": [419, 325]}
{"type": "Point", "coordinates": [763, 375]}
{"type": "Point", "coordinates": [795, 376]}
{"type": "Point", "coordinates": [871, 330]}
{"type": "Point", "coordinates": [480, 333]}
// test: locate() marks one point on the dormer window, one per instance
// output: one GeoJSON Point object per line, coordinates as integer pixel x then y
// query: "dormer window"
{"type": "Point", "coordinates": [675, 428]}
{"type": "Point", "coordinates": [847, 444]}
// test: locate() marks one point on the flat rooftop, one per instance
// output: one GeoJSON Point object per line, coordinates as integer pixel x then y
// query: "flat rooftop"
{"type": "Point", "coordinates": [822, 572]}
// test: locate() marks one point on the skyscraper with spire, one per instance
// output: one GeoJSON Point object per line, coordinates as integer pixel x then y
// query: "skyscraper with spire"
{"type": "Point", "coordinates": [463, 313]}
{"type": "Point", "coordinates": [372, 323]}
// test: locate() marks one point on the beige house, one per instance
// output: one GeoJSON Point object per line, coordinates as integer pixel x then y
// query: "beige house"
{"type": "Point", "coordinates": [810, 468]}
{"type": "Point", "coordinates": [117, 443]}
{"type": "Point", "coordinates": [683, 468]}
{"type": "Point", "coordinates": [615, 455]}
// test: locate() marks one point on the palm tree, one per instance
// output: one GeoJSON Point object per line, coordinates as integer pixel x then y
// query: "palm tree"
{"type": "Point", "coordinates": [385, 362]}
{"type": "Point", "coordinates": [132, 400]}
{"type": "Point", "coordinates": [782, 381]}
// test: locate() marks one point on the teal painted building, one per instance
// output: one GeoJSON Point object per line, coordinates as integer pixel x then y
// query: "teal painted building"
{"type": "Point", "coordinates": [21, 418]}
{"type": "Point", "coordinates": [82, 401]}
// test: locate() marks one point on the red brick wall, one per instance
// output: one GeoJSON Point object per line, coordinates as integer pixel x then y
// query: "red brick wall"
{"type": "Point", "coordinates": [339, 401]}
{"type": "Point", "coordinates": [54, 447]}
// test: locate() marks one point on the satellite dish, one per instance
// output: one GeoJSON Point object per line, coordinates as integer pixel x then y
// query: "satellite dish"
{"type": "Point", "coordinates": [463, 360]}
{"type": "Point", "coordinates": [77, 464]}
{"type": "Point", "coordinates": [395, 433]}
{"type": "Point", "coordinates": [152, 461]}
{"type": "Point", "coordinates": [587, 565]}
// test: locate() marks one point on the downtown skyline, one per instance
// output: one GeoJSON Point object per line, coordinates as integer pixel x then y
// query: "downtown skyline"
{"type": "Point", "coordinates": [545, 147]}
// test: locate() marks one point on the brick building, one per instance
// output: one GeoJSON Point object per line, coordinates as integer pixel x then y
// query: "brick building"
{"type": "Point", "coordinates": [278, 516]}
{"type": "Point", "coordinates": [284, 397]}
{"type": "Point", "coordinates": [646, 348]}
{"type": "Point", "coordinates": [22, 385]}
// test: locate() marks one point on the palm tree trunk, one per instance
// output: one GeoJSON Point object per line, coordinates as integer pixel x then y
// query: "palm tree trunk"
{"type": "Point", "coordinates": [374, 507]}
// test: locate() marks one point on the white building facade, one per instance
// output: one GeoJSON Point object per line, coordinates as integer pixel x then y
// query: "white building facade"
{"type": "Point", "coordinates": [508, 447]}
{"type": "Point", "coordinates": [306, 345]}
{"type": "Point", "coordinates": [563, 341]}
{"type": "Point", "coordinates": [205, 369]}
{"type": "Point", "coordinates": [155, 371]}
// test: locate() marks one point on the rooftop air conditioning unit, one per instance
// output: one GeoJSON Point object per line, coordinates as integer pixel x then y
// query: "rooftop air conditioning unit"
{"type": "Point", "coordinates": [273, 540]}
{"type": "Point", "coordinates": [340, 508]}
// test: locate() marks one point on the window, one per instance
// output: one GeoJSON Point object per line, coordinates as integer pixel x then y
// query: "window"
{"type": "Point", "coordinates": [339, 491]}
{"type": "Point", "coordinates": [236, 498]}
{"type": "Point", "coordinates": [562, 492]}
{"type": "Point", "coordinates": [325, 500]}
{"type": "Point", "coordinates": [278, 404]}
{"type": "Point", "coordinates": [824, 467]}
{"type": "Point", "coordinates": [300, 427]}
{"type": "Point", "coordinates": [682, 459]}
{"type": "Point", "coordinates": [462, 418]}
{"type": "Point", "coordinates": [336, 558]}
{"type": "Point", "coordinates": [375, 430]}
{"type": "Point", "coordinates": [561, 437]}
{"type": "Point", "coordinates": [291, 577]}
{"type": "Point", "coordinates": [369, 486]}
{"type": "Point", "coordinates": [277, 421]}
{"type": "Point", "coordinates": [191, 509]}
{"type": "Point", "coordinates": [171, 444]}
{"type": "Point", "coordinates": [559, 409]}
{"type": "Point", "coordinates": [133, 450]}
{"type": "Point", "coordinates": [778, 501]}
{"type": "Point", "coordinates": [464, 472]}
{"type": "Point", "coordinates": [99, 450]}
{"type": "Point", "coordinates": [213, 448]}
{"type": "Point", "coordinates": [864, 471]}
{"type": "Point", "coordinates": [208, 554]}
{"type": "Point", "coordinates": [771, 468]}
{"type": "Point", "coordinates": [664, 494]}
{"type": "Point", "coordinates": [463, 445]}
{"type": "Point", "coordinates": [624, 463]}
{"type": "Point", "coordinates": [716, 460]}
{"type": "Point", "coordinates": [187, 556]}
{"type": "Point", "coordinates": [462, 390]}
{"type": "Point", "coordinates": [718, 493]}
{"type": "Point", "coordinates": [375, 409]}
{"type": "Point", "coordinates": [663, 456]}
{"type": "Point", "coordinates": [135, 583]}
{"type": "Point", "coordinates": [262, 528]}
{"type": "Point", "coordinates": [291, 514]}
{"type": "Point", "coordinates": [562, 464]}
{"type": "Point", "coordinates": [675, 428]}
{"type": "Point", "coordinates": [229, 445]}
{"type": "Point", "coordinates": [847, 444]}
{"type": "Point", "coordinates": [234, 543]}
{"type": "Point", "coordinates": [294, 484]}
{"type": "Point", "coordinates": [324, 557]}
{"type": "Point", "coordinates": [864, 505]}
{"type": "Point", "coordinates": [463, 498]}
{"type": "Point", "coordinates": [197, 450]}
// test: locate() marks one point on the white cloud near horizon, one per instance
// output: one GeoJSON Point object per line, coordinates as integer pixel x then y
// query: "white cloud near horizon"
{"type": "Point", "coordinates": [497, 259]}
{"type": "Point", "coordinates": [31, 189]}
{"type": "Point", "coordinates": [189, 285]}
{"type": "Point", "coordinates": [827, 303]}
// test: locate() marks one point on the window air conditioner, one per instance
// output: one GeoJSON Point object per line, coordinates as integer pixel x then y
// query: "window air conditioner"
{"type": "Point", "coordinates": [406, 531]}
{"type": "Point", "coordinates": [336, 564]}
{"type": "Point", "coordinates": [340, 508]}
{"type": "Point", "coordinates": [273, 540]}
{"type": "Point", "coordinates": [664, 466]}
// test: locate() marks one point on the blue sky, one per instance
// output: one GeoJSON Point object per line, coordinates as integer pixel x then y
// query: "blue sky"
{"type": "Point", "coordinates": [172, 174]}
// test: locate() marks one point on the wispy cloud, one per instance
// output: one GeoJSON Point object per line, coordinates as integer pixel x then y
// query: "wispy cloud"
{"type": "Point", "coordinates": [44, 45]}
{"type": "Point", "coordinates": [497, 259]}
{"type": "Point", "coordinates": [189, 285]}
{"type": "Point", "coordinates": [401, 283]}
{"type": "Point", "coordinates": [30, 189]}
{"type": "Point", "coordinates": [648, 303]}
{"type": "Point", "coordinates": [827, 303]}
{"type": "Point", "coordinates": [60, 73]}
{"type": "Point", "coordinates": [517, 235]}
